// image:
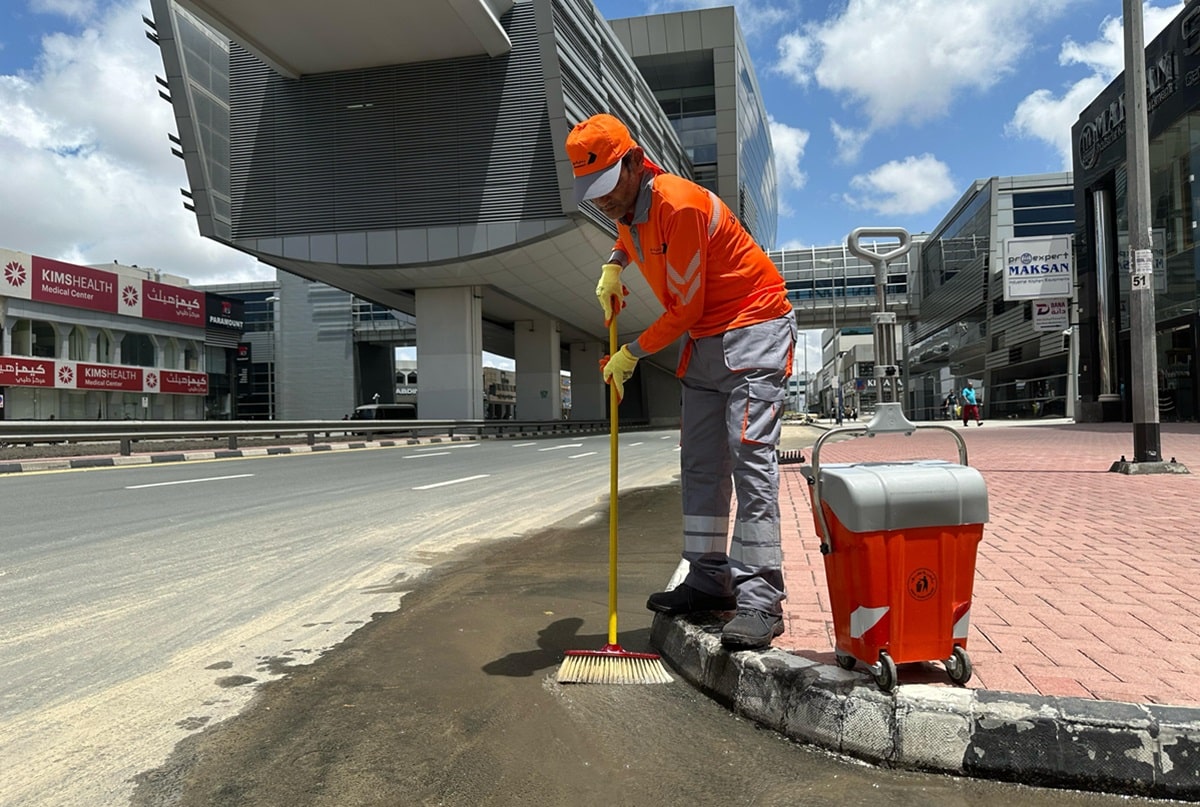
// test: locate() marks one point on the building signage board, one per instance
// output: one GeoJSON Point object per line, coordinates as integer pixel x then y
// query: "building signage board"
{"type": "Point", "coordinates": [1051, 315]}
{"type": "Point", "coordinates": [1038, 268]}
{"type": "Point", "coordinates": [182, 382]}
{"type": "Point", "coordinates": [108, 377]}
{"type": "Point", "coordinates": [32, 277]}
{"type": "Point", "coordinates": [224, 313]}
{"type": "Point", "coordinates": [77, 286]}
{"type": "Point", "coordinates": [22, 371]}
{"type": "Point", "coordinates": [173, 304]}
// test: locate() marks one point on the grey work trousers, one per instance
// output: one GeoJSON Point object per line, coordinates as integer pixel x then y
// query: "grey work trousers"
{"type": "Point", "coordinates": [733, 394]}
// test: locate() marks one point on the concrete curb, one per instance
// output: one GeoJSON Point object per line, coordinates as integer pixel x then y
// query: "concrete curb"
{"type": "Point", "coordinates": [69, 463]}
{"type": "Point", "coordinates": [1101, 746]}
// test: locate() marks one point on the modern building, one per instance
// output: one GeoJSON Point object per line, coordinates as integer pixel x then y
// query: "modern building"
{"type": "Point", "coordinates": [109, 343]}
{"type": "Point", "coordinates": [411, 155]}
{"type": "Point", "coordinates": [1016, 358]}
{"type": "Point", "coordinates": [313, 352]}
{"type": "Point", "coordinates": [1102, 231]}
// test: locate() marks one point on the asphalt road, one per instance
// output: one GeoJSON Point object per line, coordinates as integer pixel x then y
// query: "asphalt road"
{"type": "Point", "coordinates": [140, 603]}
{"type": "Point", "coordinates": [168, 639]}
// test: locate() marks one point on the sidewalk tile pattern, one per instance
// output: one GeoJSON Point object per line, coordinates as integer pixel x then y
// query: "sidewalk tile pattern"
{"type": "Point", "coordinates": [1087, 582]}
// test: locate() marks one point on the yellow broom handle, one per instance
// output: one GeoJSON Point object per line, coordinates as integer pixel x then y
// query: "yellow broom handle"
{"type": "Point", "coordinates": [613, 403]}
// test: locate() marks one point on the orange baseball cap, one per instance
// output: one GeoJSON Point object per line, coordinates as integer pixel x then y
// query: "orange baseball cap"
{"type": "Point", "coordinates": [596, 147]}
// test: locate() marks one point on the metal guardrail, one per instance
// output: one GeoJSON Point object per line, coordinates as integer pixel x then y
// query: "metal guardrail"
{"type": "Point", "coordinates": [129, 432]}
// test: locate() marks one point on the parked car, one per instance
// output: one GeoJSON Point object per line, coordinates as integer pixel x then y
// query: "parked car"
{"type": "Point", "coordinates": [400, 411]}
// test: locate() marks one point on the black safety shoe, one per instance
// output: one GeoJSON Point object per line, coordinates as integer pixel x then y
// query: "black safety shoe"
{"type": "Point", "coordinates": [751, 629]}
{"type": "Point", "coordinates": [683, 599]}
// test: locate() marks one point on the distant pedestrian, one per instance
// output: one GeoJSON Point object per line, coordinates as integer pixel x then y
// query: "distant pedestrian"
{"type": "Point", "coordinates": [970, 405]}
{"type": "Point", "coordinates": [948, 407]}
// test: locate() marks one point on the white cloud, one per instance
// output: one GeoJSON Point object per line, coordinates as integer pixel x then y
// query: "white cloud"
{"type": "Point", "coordinates": [71, 9]}
{"type": "Point", "coordinates": [906, 62]}
{"type": "Point", "coordinates": [911, 186]}
{"type": "Point", "coordinates": [789, 144]}
{"type": "Point", "coordinates": [88, 175]}
{"type": "Point", "coordinates": [1044, 116]}
{"type": "Point", "coordinates": [849, 141]}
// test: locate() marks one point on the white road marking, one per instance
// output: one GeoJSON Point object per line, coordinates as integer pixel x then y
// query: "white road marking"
{"type": "Point", "coordinates": [522, 445]}
{"type": "Point", "coordinates": [565, 445]}
{"type": "Point", "coordinates": [423, 456]}
{"type": "Point", "coordinates": [187, 481]}
{"type": "Point", "coordinates": [577, 456]}
{"type": "Point", "coordinates": [451, 482]}
{"type": "Point", "coordinates": [441, 447]}
{"type": "Point", "coordinates": [636, 444]}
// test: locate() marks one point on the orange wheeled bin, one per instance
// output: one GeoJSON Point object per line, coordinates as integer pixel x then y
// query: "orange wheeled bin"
{"type": "Point", "coordinates": [899, 541]}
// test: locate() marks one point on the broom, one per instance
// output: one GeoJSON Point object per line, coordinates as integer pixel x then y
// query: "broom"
{"type": "Point", "coordinates": [612, 664]}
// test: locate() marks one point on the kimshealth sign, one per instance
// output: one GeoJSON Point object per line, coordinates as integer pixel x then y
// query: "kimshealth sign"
{"type": "Point", "coordinates": [43, 280]}
{"type": "Point", "coordinates": [21, 371]}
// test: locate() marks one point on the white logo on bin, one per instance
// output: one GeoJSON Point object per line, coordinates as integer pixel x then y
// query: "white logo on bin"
{"type": "Point", "coordinates": [922, 584]}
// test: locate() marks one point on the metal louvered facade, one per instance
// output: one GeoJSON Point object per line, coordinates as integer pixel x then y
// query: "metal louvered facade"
{"type": "Point", "coordinates": [461, 141]}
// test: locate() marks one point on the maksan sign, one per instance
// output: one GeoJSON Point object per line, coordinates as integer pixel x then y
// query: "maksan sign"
{"type": "Point", "coordinates": [1038, 268]}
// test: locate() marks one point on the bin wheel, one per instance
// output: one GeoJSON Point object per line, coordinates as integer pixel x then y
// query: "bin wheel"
{"type": "Point", "coordinates": [844, 661]}
{"type": "Point", "coordinates": [885, 672]}
{"type": "Point", "coordinates": [958, 666]}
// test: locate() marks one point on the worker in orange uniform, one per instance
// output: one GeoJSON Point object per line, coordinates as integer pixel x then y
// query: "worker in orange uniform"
{"type": "Point", "coordinates": [720, 291]}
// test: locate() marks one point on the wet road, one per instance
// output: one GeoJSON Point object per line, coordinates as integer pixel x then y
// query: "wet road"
{"type": "Point", "coordinates": [452, 701]}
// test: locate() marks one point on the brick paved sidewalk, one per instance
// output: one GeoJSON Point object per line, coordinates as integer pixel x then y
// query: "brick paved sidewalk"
{"type": "Point", "coordinates": [1087, 582]}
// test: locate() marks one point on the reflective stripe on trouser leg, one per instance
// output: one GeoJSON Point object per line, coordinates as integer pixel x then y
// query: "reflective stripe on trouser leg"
{"type": "Point", "coordinates": [706, 479]}
{"type": "Point", "coordinates": [756, 562]}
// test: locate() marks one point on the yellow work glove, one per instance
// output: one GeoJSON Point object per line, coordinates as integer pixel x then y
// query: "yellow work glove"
{"type": "Point", "coordinates": [618, 369]}
{"type": "Point", "coordinates": [611, 291]}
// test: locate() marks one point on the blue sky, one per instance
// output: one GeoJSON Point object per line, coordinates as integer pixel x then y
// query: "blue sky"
{"type": "Point", "coordinates": [882, 114]}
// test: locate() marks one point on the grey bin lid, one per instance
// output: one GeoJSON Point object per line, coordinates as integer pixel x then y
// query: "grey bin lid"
{"type": "Point", "coordinates": [884, 496]}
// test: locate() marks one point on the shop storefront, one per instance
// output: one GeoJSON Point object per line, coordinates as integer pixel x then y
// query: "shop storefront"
{"type": "Point", "coordinates": [1102, 231]}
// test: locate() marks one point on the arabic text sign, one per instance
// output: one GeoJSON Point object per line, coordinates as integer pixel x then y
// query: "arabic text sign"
{"type": "Point", "coordinates": [77, 286]}
{"type": "Point", "coordinates": [20, 371]}
{"type": "Point", "coordinates": [1038, 268]}
{"type": "Point", "coordinates": [180, 381]}
{"type": "Point", "coordinates": [172, 304]}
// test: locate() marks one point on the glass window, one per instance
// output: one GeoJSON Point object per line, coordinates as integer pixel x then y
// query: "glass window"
{"type": "Point", "coordinates": [78, 344]}
{"type": "Point", "coordinates": [45, 340]}
{"type": "Point", "coordinates": [137, 350]}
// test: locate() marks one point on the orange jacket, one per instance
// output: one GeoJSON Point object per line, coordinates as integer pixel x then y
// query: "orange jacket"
{"type": "Point", "coordinates": [702, 265]}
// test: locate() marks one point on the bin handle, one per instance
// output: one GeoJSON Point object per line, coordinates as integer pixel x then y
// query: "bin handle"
{"type": "Point", "coordinates": [826, 538]}
{"type": "Point", "coordinates": [872, 257]}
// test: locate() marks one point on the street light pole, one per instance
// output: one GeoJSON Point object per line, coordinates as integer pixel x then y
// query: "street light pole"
{"type": "Point", "coordinates": [806, 372]}
{"type": "Point", "coordinates": [837, 367]}
{"type": "Point", "coordinates": [1144, 367]}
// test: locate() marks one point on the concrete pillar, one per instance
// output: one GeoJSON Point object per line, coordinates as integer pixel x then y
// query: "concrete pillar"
{"type": "Point", "coordinates": [449, 354]}
{"type": "Point", "coordinates": [589, 393]}
{"type": "Point", "coordinates": [538, 359]}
